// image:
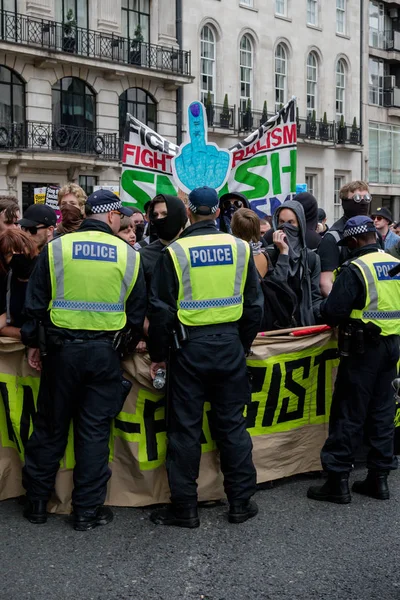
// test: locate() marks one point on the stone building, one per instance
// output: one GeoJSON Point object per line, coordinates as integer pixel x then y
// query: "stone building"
{"type": "Point", "coordinates": [257, 51]}
{"type": "Point", "coordinates": [69, 71]}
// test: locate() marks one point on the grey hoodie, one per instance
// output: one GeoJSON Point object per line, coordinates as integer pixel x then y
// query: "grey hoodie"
{"type": "Point", "coordinates": [308, 290]}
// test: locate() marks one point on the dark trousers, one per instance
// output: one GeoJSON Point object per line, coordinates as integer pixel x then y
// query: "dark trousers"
{"type": "Point", "coordinates": [82, 383]}
{"type": "Point", "coordinates": [213, 368]}
{"type": "Point", "coordinates": [363, 403]}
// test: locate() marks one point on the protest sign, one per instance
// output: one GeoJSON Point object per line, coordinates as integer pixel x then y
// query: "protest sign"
{"type": "Point", "coordinates": [39, 195]}
{"type": "Point", "coordinates": [264, 165]}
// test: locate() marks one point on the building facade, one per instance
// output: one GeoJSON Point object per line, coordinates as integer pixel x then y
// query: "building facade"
{"type": "Point", "coordinates": [381, 74]}
{"type": "Point", "coordinates": [257, 54]}
{"type": "Point", "coordinates": [69, 72]}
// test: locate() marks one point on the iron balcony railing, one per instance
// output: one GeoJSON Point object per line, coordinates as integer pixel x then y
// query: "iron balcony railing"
{"type": "Point", "coordinates": [220, 118]}
{"type": "Point", "coordinates": [46, 137]}
{"type": "Point", "coordinates": [316, 130]}
{"type": "Point", "coordinates": [50, 35]}
{"type": "Point", "coordinates": [251, 119]}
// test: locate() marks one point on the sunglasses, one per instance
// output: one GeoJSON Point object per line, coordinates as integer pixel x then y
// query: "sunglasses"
{"type": "Point", "coordinates": [378, 218]}
{"type": "Point", "coordinates": [33, 230]}
{"type": "Point", "coordinates": [237, 203]}
{"type": "Point", "coordinates": [358, 198]}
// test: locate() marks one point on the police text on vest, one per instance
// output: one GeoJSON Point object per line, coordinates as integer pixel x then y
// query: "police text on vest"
{"type": "Point", "coordinates": [94, 251]}
{"type": "Point", "coordinates": [211, 256]}
{"type": "Point", "coordinates": [382, 271]}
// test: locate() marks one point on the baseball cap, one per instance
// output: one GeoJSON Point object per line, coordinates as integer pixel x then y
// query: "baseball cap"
{"type": "Point", "coordinates": [356, 226]}
{"type": "Point", "coordinates": [321, 215]}
{"type": "Point", "coordinates": [383, 212]}
{"type": "Point", "coordinates": [104, 201]}
{"type": "Point", "coordinates": [203, 201]}
{"type": "Point", "coordinates": [38, 214]}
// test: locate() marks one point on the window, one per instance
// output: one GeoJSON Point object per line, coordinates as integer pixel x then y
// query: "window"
{"type": "Point", "coordinates": [377, 71]}
{"type": "Point", "coordinates": [340, 16]}
{"type": "Point", "coordinates": [384, 153]}
{"type": "Point", "coordinates": [246, 3]}
{"type": "Point", "coordinates": [380, 26]}
{"type": "Point", "coordinates": [312, 82]}
{"type": "Point", "coordinates": [9, 5]}
{"type": "Point", "coordinates": [280, 7]}
{"type": "Point", "coordinates": [280, 76]}
{"type": "Point", "coordinates": [74, 104]}
{"type": "Point", "coordinates": [311, 181]}
{"type": "Point", "coordinates": [12, 97]}
{"type": "Point", "coordinates": [79, 10]}
{"type": "Point", "coordinates": [139, 104]}
{"type": "Point", "coordinates": [312, 12]}
{"type": "Point", "coordinates": [337, 203]}
{"type": "Point", "coordinates": [87, 182]}
{"type": "Point", "coordinates": [136, 20]}
{"type": "Point", "coordinates": [207, 64]}
{"type": "Point", "coordinates": [340, 88]}
{"type": "Point", "coordinates": [246, 71]}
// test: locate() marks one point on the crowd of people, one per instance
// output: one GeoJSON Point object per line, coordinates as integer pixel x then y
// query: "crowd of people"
{"type": "Point", "coordinates": [192, 283]}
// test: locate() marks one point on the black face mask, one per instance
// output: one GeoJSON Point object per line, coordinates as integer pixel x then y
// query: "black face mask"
{"type": "Point", "coordinates": [354, 209]}
{"type": "Point", "coordinates": [139, 231]}
{"type": "Point", "coordinates": [22, 266]}
{"type": "Point", "coordinates": [169, 227]}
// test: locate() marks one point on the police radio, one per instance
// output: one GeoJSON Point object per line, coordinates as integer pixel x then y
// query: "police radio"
{"type": "Point", "coordinates": [394, 271]}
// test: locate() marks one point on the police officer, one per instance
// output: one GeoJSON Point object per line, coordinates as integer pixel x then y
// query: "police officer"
{"type": "Point", "coordinates": [206, 283]}
{"type": "Point", "coordinates": [86, 286]}
{"type": "Point", "coordinates": [365, 303]}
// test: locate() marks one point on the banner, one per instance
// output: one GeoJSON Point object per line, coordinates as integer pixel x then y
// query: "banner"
{"type": "Point", "coordinates": [287, 419]}
{"type": "Point", "coordinates": [263, 165]}
{"type": "Point", "coordinates": [48, 195]}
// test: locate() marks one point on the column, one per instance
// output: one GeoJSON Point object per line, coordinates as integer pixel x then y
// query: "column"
{"type": "Point", "coordinates": [166, 23]}
{"type": "Point", "coordinates": [40, 8]}
{"type": "Point", "coordinates": [109, 15]}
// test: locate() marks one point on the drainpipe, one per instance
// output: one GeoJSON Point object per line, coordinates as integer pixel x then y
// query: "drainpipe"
{"type": "Point", "coordinates": [362, 120]}
{"type": "Point", "coordinates": [179, 91]}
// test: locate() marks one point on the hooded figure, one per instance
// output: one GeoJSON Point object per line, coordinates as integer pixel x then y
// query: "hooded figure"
{"type": "Point", "coordinates": [168, 218]}
{"type": "Point", "coordinates": [294, 263]}
{"type": "Point", "coordinates": [228, 205]}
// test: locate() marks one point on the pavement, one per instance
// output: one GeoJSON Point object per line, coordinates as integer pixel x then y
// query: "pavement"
{"type": "Point", "coordinates": [295, 549]}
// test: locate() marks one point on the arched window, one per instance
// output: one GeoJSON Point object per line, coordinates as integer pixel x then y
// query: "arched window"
{"type": "Point", "coordinates": [246, 71]}
{"type": "Point", "coordinates": [139, 104]}
{"type": "Point", "coordinates": [207, 64]}
{"type": "Point", "coordinates": [280, 76]}
{"type": "Point", "coordinates": [74, 104]}
{"type": "Point", "coordinates": [312, 83]}
{"type": "Point", "coordinates": [12, 97]}
{"type": "Point", "coordinates": [340, 88]}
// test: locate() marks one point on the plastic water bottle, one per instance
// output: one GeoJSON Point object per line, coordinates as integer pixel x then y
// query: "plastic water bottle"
{"type": "Point", "coordinates": [159, 379]}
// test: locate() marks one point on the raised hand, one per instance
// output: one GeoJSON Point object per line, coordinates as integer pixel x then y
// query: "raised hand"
{"type": "Point", "coordinates": [200, 163]}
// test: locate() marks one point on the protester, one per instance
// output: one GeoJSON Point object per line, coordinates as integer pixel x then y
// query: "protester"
{"type": "Point", "coordinates": [9, 212]}
{"type": "Point", "coordinates": [17, 259]}
{"type": "Point", "coordinates": [85, 287]}
{"type": "Point", "coordinates": [265, 226]}
{"type": "Point", "coordinates": [295, 264]}
{"type": "Point", "coordinates": [228, 205]}
{"type": "Point", "coordinates": [127, 230]}
{"type": "Point", "coordinates": [365, 303]}
{"type": "Point", "coordinates": [322, 227]}
{"type": "Point", "coordinates": [383, 219]}
{"type": "Point", "coordinates": [396, 228]}
{"type": "Point", "coordinates": [39, 222]}
{"type": "Point", "coordinates": [71, 200]}
{"type": "Point", "coordinates": [245, 225]}
{"type": "Point", "coordinates": [356, 200]}
{"type": "Point", "coordinates": [205, 287]}
{"type": "Point", "coordinates": [138, 220]}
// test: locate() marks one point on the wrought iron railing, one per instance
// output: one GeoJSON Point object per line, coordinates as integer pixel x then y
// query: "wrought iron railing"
{"type": "Point", "coordinates": [348, 134]}
{"type": "Point", "coordinates": [249, 120]}
{"type": "Point", "coordinates": [315, 130]}
{"type": "Point", "coordinates": [50, 35]}
{"type": "Point", "coordinates": [46, 137]}
{"type": "Point", "coordinates": [220, 118]}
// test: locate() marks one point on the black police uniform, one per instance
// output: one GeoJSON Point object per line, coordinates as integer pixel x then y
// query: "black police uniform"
{"type": "Point", "coordinates": [211, 366]}
{"type": "Point", "coordinates": [362, 401]}
{"type": "Point", "coordinates": [81, 381]}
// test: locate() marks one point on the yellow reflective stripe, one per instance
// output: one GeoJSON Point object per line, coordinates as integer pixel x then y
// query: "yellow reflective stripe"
{"type": "Point", "coordinates": [240, 265]}
{"type": "Point", "coordinates": [132, 266]}
{"type": "Point", "coordinates": [184, 265]}
{"type": "Point", "coordinates": [372, 290]}
{"type": "Point", "coordinates": [56, 249]}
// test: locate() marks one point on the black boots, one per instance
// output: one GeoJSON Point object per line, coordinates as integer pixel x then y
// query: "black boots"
{"type": "Point", "coordinates": [239, 512]}
{"type": "Point", "coordinates": [375, 485]}
{"type": "Point", "coordinates": [92, 518]}
{"type": "Point", "coordinates": [36, 511]}
{"type": "Point", "coordinates": [174, 515]}
{"type": "Point", "coordinates": [335, 489]}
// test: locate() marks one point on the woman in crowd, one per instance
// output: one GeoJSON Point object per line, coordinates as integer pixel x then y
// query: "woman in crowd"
{"type": "Point", "coordinates": [17, 259]}
{"type": "Point", "coordinates": [127, 230]}
{"type": "Point", "coordinates": [294, 263]}
{"type": "Point", "coordinates": [71, 200]}
{"type": "Point", "coordinates": [245, 224]}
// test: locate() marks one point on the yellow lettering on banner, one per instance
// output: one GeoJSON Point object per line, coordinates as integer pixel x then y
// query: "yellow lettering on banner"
{"type": "Point", "coordinates": [19, 395]}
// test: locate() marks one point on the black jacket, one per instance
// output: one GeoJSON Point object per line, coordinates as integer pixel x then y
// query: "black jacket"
{"type": "Point", "coordinates": [164, 295]}
{"type": "Point", "coordinates": [38, 297]}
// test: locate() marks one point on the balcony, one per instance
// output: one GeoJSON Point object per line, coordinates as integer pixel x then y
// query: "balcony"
{"type": "Point", "coordinates": [57, 37]}
{"type": "Point", "coordinates": [218, 118]}
{"type": "Point", "coordinates": [46, 137]}
{"type": "Point", "coordinates": [249, 120]}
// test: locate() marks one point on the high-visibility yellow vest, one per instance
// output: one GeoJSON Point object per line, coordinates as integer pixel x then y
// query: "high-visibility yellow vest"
{"type": "Point", "coordinates": [92, 274]}
{"type": "Point", "coordinates": [212, 272]}
{"type": "Point", "coordinates": [382, 305]}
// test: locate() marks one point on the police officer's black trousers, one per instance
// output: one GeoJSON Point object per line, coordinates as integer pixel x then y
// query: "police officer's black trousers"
{"type": "Point", "coordinates": [363, 403]}
{"type": "Point", "coordinates": [82, 383]}
{"type": "Point", "coordinates": [209, 368]}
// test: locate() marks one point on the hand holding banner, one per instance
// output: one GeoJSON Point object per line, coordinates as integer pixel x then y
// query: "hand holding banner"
{"type": "Point", "coordinates": [200, 163]}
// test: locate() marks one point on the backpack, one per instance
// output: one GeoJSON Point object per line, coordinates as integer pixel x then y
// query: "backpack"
{"type": "Point", "coordinates": [280, 304]}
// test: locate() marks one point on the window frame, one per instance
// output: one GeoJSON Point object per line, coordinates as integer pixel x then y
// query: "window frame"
{"type": "Point", "coordinates": [312, 9]}
{"type": "Point", "coordinates": [339, 182]}
{"type": "Point", "coordinates": [210, 77]}
{"type": "Point", "coordinates": [250, 69]}
{"type": "Point", "coordinates": [281, 97]}
{"type": "Point", "coordinates": [141, 14]}
{"type": "Point", "coordinates": [377, 90]}
{"type": "Point", "coordinates": [62, 9]}
{"type": "Point", "coordinates": [284, 13]}
{"type": "Point", "coordinates": [246, 3]}
{"type": "Point", "coordinates": [341, 10]}
{"type": "Point", "coordinates": [88, 93]}
{"type": "Point", "coordinates": [341, 89]}
{"type": "Point", "coordinates": [312, 189]}
{"type": "Point", "coordinates": [15, 81]}
{"type": "Point", "coordinates": [123, 99]}
{"type": "Point", "coordinates": [314, 82]}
